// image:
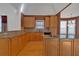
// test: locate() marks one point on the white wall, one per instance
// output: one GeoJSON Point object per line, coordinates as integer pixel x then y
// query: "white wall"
{"type": "Point", "coordinates": [14, 22]}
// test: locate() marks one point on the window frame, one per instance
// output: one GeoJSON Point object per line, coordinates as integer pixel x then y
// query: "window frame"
{"type": "Point", "coordinates": [39, 20]}
{"type": "Point", "coordinates": [67, 28]}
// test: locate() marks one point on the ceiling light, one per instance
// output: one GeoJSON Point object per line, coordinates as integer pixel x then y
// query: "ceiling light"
{"type": "Point", "coordinates": [22, 7]}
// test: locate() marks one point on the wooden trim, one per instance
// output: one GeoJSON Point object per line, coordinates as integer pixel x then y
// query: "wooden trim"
{"type": "Point", "coordinates": [77, 21]}
{"type": "Point", "coordinates": [22, 18]}
{"type": "Point", "coordinates": [64, 8]}
{"type": "Point", "coordinates": [67, 29]}
{"type": "Point", "coordinates": [37, 15]}
{"type": "Point", "coordinates": [58, 27]}
{"type": "Point", "coordinates": [76, 28]}
{"type": "Point", "coordinates": [70, 18]}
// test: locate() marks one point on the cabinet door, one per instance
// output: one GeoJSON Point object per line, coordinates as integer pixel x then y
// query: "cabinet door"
{"type": "Point", "coordinates": [52, 47]}
{"type": "Point", "coordinates": [20, 42]}
{"type": "Point", "coordinates": [47, 20]}
{"type": "Point", "coordinates": [14, 46]}
{"type": "Point", "coordinates": [66, 47]}
{"type": "Point", "coordinates": [4, 47]}
{"type": "Point", "coordinates": [76, 47]}
{"type": "Point", "coordinates": [36, 36]}
{"type": "Point", "coordinates": [29, 22]}
{"type": "Point", "coordinates": [54, 25]}
{"type": "Point", "coordinates": [53, 21]}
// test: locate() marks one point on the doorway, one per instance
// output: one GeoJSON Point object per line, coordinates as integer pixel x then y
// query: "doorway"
{"type": "Point", "coordinates": [3, 23]}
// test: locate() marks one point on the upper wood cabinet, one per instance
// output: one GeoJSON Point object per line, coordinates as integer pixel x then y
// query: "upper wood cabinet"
{"type": "Point", "coordinates": [54, 25]}
{"type": "Point", "coordinates": [47, 22]}
{"type": "Point", "coordinates": [53, 21]}
{"type": "Point", "coordinates": [29, 22]}
{"type": "Point", "coordinates": [66, 47]}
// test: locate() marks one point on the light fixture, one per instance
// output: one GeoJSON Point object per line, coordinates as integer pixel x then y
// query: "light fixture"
{"type": "Point", "coordinates": [22, 7]}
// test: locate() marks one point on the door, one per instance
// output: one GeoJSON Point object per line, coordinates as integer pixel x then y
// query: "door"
{"type": "Point", "coordinates": [4, 23]}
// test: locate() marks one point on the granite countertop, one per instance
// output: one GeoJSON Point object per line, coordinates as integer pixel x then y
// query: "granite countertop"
{"type": "Point", "coordinates": [11, 34]}
{"type": "Point", "coordinates": [49, 37]}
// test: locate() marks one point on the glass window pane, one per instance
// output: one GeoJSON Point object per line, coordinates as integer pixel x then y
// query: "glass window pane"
{"type": "Point", "coordinates": [63, 29]}
{"type": "Point", "coordinates": [39, 24]}
{"type": "Point", "coordinates": [71, 29]}
{"type": "Point", "coordinates": [62, 35]}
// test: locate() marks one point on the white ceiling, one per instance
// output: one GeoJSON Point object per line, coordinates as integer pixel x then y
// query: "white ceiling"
{"type": "Point", "coordinates": [39, 8]}
{"type": "Point", "coordinates": [17, 6]}
{"type": "Point", "coordinates": [71, 11]}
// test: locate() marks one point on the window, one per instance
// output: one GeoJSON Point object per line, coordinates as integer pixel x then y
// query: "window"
{"type": "Point", "coordinates": [39, 24]}
{"type": "Point", "coordinates": [67, 28]}
{"type": "Point", "coordinates": [63, 29]}
{"type": "Point", "coordinates": [71, 29]}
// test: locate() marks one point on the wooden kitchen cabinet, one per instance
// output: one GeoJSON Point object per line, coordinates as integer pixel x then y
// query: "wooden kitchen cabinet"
{"type": "Point", "coordinates": [11, 46]}
{"type": "Point", "coordinates": [76, 47]}
{"type": "Point", "coordinates": [52, 47]}
{"type": "Point", "coordinates": [53, 21]}
{"type": "Point", "coordinates": [35, 36]}
{"type": "Point", "coordinates": [47, 22]}
{"type": "Point", "coordinates": [4, 47]}
{"type": "Point", "coordinates": [54, 25]}
{"type": "Point", "coordinates": [29, 22]}
{"type": "Point", "coordinates": [17, 43]}
{"type": "Point", "coordinates": [14, 46]}
{"type": "Point", "coordinates": [66, 47]}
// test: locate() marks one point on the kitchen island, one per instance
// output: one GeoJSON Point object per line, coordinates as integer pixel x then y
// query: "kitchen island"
{"type": "Point", "coordinates": [12, 42]}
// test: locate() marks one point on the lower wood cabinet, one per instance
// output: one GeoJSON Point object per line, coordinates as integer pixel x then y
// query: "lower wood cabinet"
{"type": "Point", "coordinates": [52, 47]}
{"type": "Point", "coordinates": [76, 47]}
{"type": "Point", "coordinates": [17, 44]}
{"type": "Point", "coordinates": [66, 47]}
{"type": "Point", "coordinates": [14, 45]}
{"type": "Point", "coordinates": [4, 47]}
{"type": "Point", "coordinates": [35, 36]}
